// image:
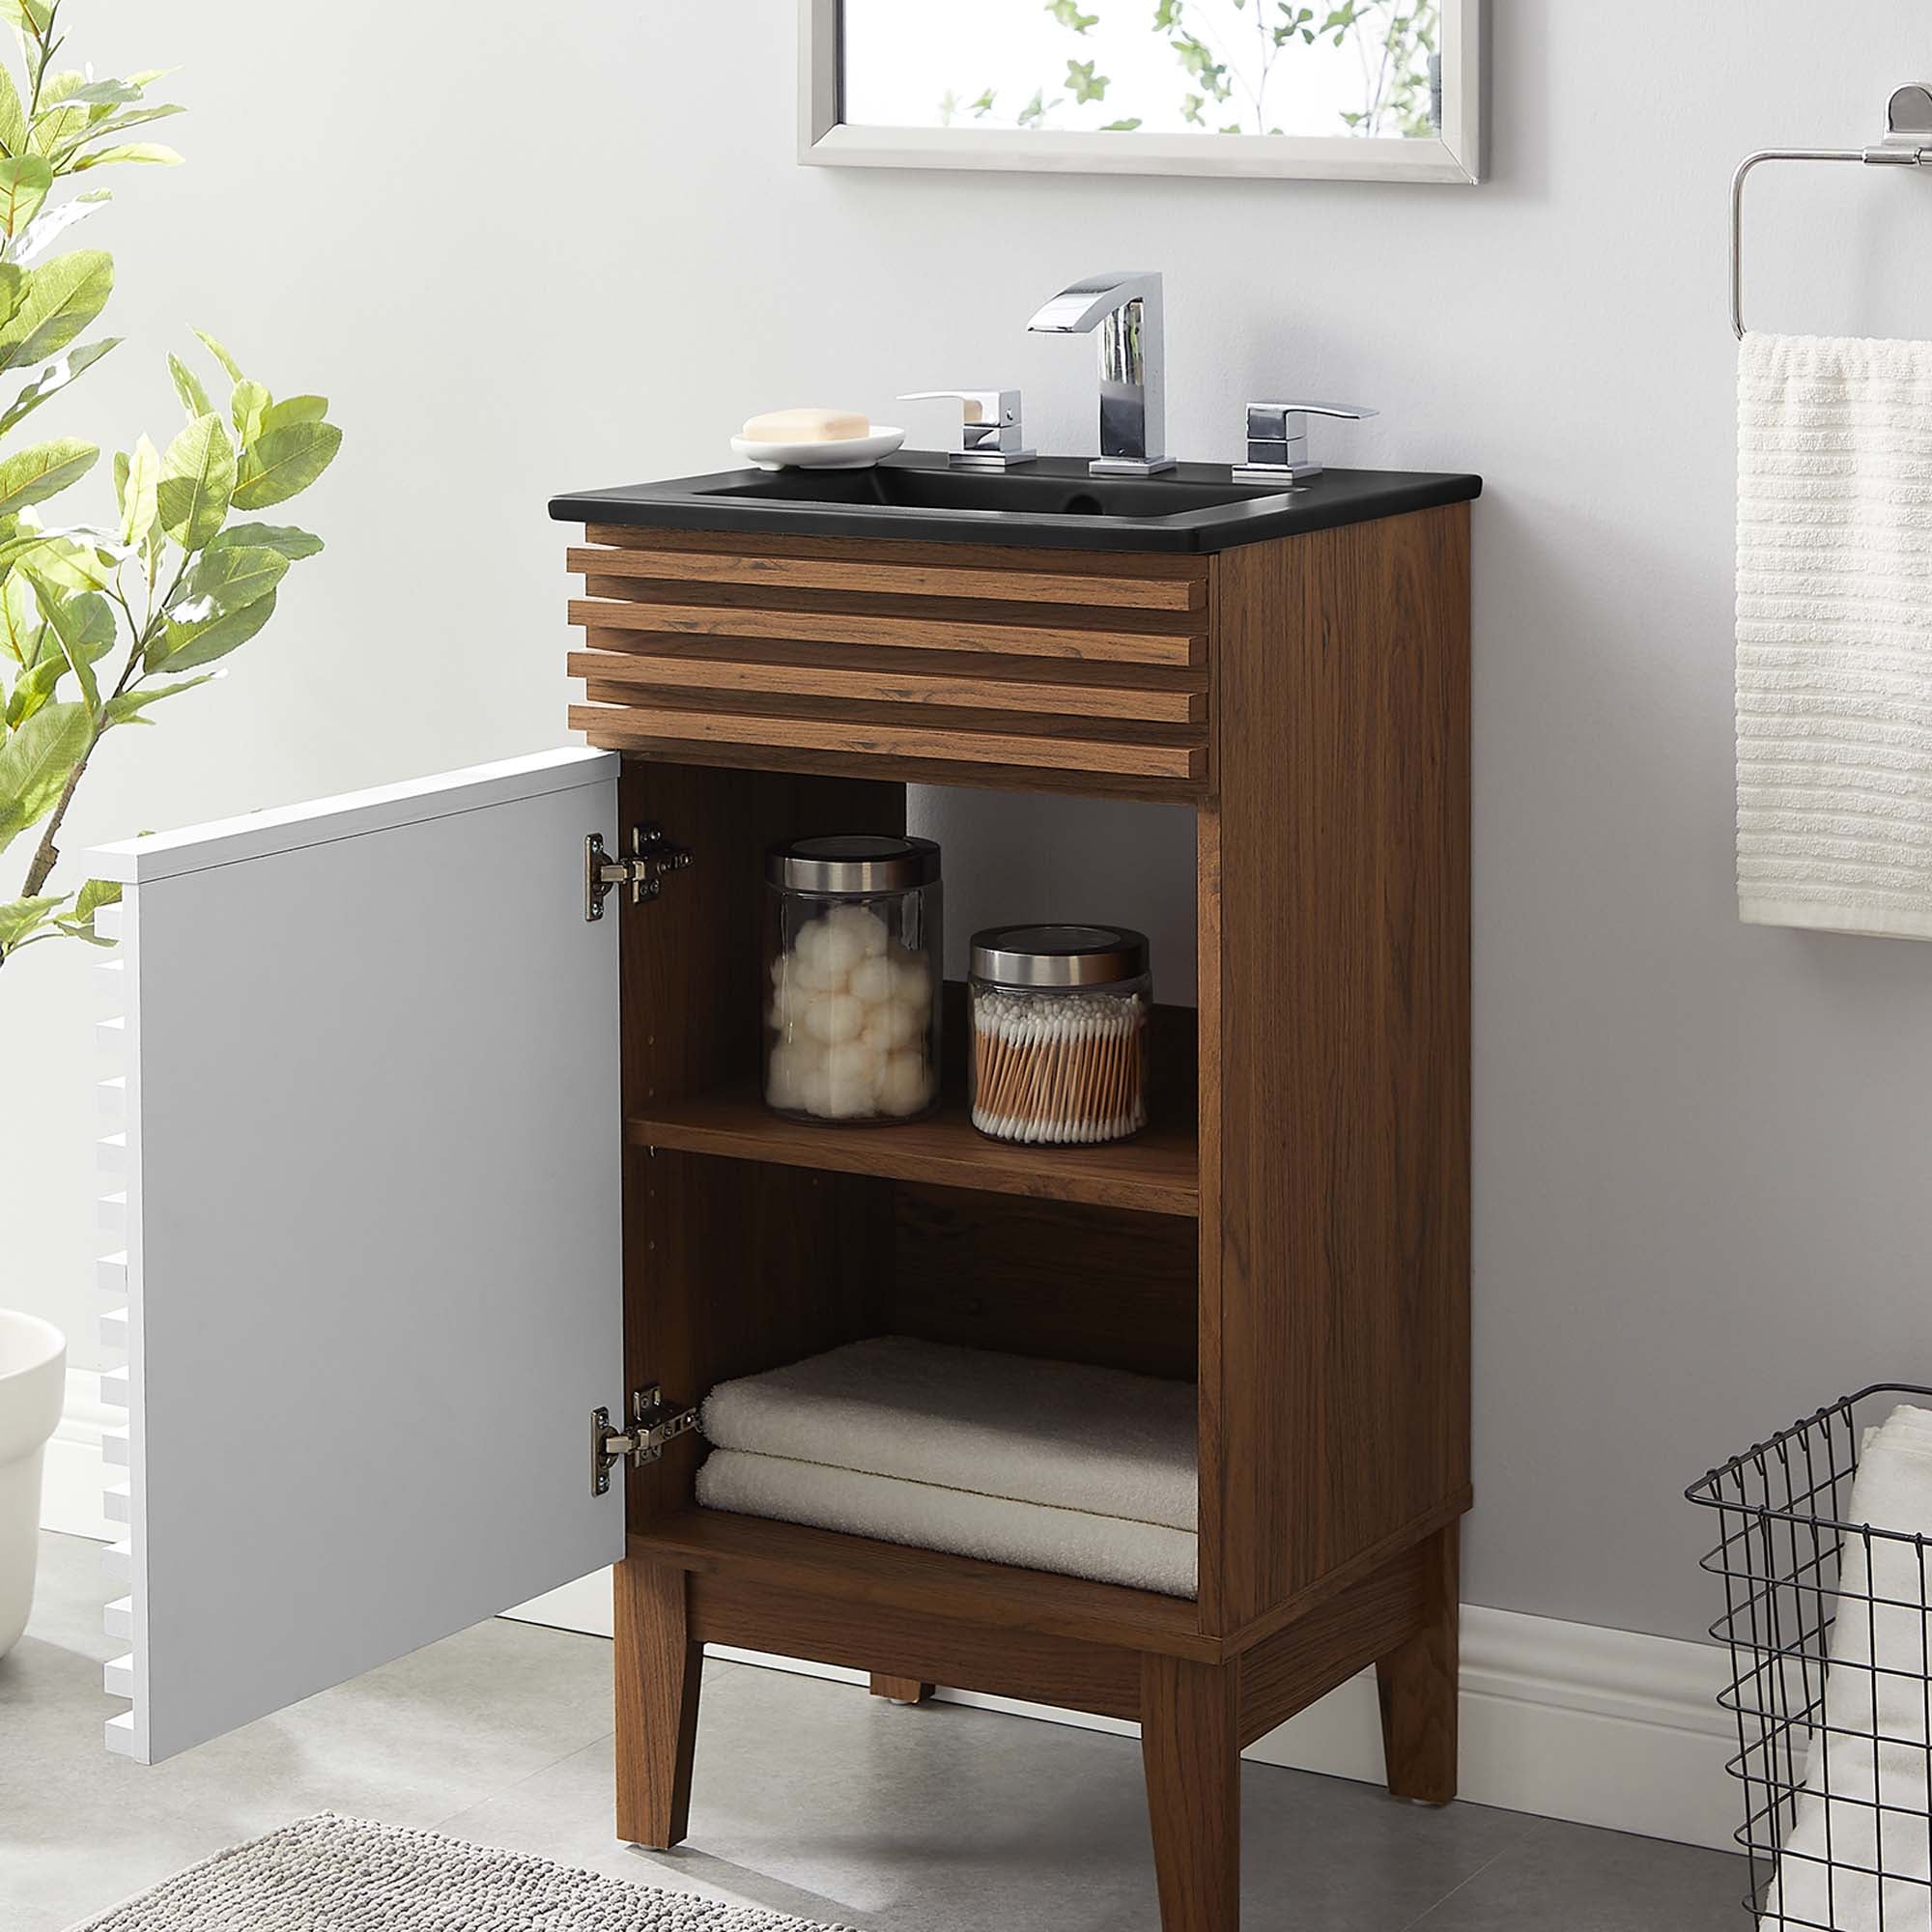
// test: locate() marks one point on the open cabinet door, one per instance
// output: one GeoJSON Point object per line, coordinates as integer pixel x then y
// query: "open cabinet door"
{"type": "Point", "coordinates": [373, 1146]}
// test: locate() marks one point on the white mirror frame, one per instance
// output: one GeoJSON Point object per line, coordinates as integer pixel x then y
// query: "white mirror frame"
{"type": "Point", "coordinates": [824, 140]}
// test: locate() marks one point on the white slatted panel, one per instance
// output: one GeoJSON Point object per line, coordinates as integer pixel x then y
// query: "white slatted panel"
{"type": "Point", "coordinates": [371, 1218]}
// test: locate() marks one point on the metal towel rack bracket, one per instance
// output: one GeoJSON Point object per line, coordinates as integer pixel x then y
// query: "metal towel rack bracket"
{"type": "Point", "coordinates": [1907, 143]}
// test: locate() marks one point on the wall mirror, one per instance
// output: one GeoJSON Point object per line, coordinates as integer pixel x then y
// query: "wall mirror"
{"type": "Point", "coordinates": [1363, 90]}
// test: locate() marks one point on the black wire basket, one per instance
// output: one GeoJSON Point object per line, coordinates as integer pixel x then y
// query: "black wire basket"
{"type": "Point", "coordinates": [1830, 1628]}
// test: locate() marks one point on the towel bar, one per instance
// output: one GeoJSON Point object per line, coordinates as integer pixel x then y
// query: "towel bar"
{"type": "Point", "coordinates": [1907, 143]}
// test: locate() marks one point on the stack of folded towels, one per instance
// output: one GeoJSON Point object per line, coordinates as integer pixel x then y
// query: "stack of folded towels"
{"type": "Point", "coordinates": [1053, 1465]}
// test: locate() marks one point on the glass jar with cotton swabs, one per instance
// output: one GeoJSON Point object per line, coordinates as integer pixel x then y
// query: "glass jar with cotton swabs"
{"type": "Point", "coordinates": [1059, 1034]}
{"type": "Point", "coordinates": [853, 959]}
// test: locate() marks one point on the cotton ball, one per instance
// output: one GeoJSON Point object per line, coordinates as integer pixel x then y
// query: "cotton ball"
{"type": "Point", "coordinates": [813, 1089]}
{"type": "Point", "coordinates": [786, 1011]}
{"type": "Point", "coordinates": [913, 986]}
{"type": "Point", "coordinates": [835, 1016]}
{"type": "Point", "coordinates": [892, 1025]}
{"type": "Point", "coordinates": [787, 1071]}
{"type": "Point", "coordinates": [865, 928]}
{"type": "Point", "coordinates": [812, 972]}
{"type": "Point", "coordinates": [852, 1073]}
{"type": "Point", "coordinates": [873, 979]}
{"type": "Point", "coordinates": [836, 942]}
{"type": "Point", "coordinates": [905, 1086]}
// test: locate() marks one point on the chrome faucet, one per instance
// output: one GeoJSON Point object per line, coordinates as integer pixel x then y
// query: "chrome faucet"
{"type": "Point", "coordinates": [1125, 307]}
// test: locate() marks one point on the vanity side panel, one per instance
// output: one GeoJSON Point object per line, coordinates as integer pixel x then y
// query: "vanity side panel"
{"type": "Point", "coordinates": [730, 1266]}
{"type": "Point", "coordinates": [1334, 1324]}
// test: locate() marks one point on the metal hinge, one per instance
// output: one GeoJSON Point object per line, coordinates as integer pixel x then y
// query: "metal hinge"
{"type": "Point", "coordinates": [653, 858]}
{"type": "Point", "coordinates": [654, 1422]}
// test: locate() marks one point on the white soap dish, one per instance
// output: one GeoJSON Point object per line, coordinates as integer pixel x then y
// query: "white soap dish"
{"type": "Point", "coordinates": [849, 452]}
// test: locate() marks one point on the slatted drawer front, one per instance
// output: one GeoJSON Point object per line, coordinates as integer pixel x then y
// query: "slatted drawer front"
{"type": "Point", "coordinates": [1074, 669]}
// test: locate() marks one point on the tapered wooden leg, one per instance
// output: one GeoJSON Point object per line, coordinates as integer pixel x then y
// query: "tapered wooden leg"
{"type": "Point", "coordinates": [900, 1690]}
{"type": "Point", "coordinates": [1418, 1687]}
{"type": "Point", "coordinates": [1193, 1758]}
{"type": "Point", "coordinates": [658, 1668]}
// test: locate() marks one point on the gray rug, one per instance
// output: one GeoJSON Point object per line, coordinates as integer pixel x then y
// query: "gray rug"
{"type": "Point", "coordinates": [330, 1874]}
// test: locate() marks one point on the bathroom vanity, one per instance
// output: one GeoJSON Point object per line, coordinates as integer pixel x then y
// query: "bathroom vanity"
{"type": "Point", "coordinates": [459, 1164]}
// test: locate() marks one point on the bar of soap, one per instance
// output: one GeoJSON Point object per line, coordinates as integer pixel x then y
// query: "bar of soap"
{"type": "Point", "coordinates": [805, 426]}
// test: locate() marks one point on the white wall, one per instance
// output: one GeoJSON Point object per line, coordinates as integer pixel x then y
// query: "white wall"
{"type": "Point", "coordinates": [529, 252]}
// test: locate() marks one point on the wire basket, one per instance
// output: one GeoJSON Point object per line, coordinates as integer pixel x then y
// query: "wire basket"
{"type": "Point", "coordinates": [1830, 1628]}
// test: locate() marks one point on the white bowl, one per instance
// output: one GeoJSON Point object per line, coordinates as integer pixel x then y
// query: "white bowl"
{"type": "Point", "coordinates": [848, 452]}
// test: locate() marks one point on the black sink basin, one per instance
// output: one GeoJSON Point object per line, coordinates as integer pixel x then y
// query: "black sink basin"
{"type": "Point", "coordinates": [1052, 503]}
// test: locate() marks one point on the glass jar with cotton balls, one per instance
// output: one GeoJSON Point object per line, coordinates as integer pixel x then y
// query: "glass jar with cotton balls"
{"type": "Point", "coordinates": [853, 958]}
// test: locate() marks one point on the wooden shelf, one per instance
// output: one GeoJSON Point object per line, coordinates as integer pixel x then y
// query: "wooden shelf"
{"type": "Point", "coordinates": [788, 1555]}
{"type": "Point", "coordinates": [1157, 1173]}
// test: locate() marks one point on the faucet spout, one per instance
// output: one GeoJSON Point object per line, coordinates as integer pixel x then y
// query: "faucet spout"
{"type": "Point", "coordinates": [1125, 309]}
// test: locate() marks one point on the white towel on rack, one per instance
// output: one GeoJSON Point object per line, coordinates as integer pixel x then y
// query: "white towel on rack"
{"type": "Point", "coordinates": [1835, 633]}
{"type": "Point", "coordinates": [1872, 1752]}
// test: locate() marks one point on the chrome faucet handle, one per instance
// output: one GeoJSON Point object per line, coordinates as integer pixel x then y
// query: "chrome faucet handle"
{"type": "Point", "coordinates": [990, 431]}
{"type": "Point", "coordinates": [1278, 439]}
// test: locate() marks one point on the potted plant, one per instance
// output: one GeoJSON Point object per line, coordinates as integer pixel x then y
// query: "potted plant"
{"type": "Point", "coordinates": [103, 619]}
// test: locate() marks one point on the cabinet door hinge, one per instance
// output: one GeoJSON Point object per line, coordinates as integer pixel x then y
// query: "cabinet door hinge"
{"type": "Point", "coordinates": [654, 1422]}
{"type": "Point", "coordinates": [653, 859]}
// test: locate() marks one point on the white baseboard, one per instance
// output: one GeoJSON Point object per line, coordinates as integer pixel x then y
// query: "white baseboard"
{"type": "Point", "coordinates": [72, 1483]}
{"type": "Point", "coordinates": [1567, 1721]}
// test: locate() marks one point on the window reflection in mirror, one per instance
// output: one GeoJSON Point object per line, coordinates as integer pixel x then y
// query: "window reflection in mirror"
{"type": "Point", "coordinates": [1365, 67]}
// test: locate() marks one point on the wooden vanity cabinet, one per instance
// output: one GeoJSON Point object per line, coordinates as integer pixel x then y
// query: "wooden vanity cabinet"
{"type": "Point", "coordinates": [1291, 1234]}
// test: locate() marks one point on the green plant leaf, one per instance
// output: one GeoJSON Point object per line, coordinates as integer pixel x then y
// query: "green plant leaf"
{"type": "Point", "coordinates": [1087, 85]}
{"type": "Point", "coordinates": [79, 923]}
{"type": "Point", "coordinates": [294, 544]}
{"type": "Point", "coordinates": [131, 150]}
{"type": "Point", "coordinates": [34, 763]}
{"type": "Point", "coordinates": [82, 625]}
{"type": "Point", "coordinates": [197, 481]}
{"type": "Point", "coordinates": [19, 620]}
{"type": "Point", "coordinates": [33, 689]}
{"type": "Point", "coordinates": [1127, 126]}
{"type": "Point", "coordinates": [12, 116]}
{"type": "Point", "coordinates": [128, 707]}
{"type": "Point", "coordinates": [186, 646]}
{"type": "Point", "coordinates": [221, 355]}
{"type": "Point", "coordinates": [139, 495]}
{"type": "Point", "coordinates": [285, 462]}
{"type": "Point", "coordinates": [194, 399]}
{"type": "Point", "coordinates": [54, 378]}
{"type": "Point", "coordinates": [31, 17]}
{"type": "Point", "coordinates": [24, 181]}
{"type": "Point", "coordinates": [60, 297]}
{"type": "Point", "coordinates": [1069, 15]}
{"type": "Point", "coordinates": [32, 475]}
{"type": "Point", "coordinates": [46, 227]}
{"type": "Point", "coordinates": [101, 94]}
{"type": "Point", "coordinates": [21, 917]}
{"type": "Point", "coordinates": [227, 580]}
{"type": "Point", "coordinates": [249, 407]}
{"type": "Point", "coordinates": [295, 409]}
{"type": "Point", "coordinates": [74, 559]}
{"type": "Point", "coordinates": [133, 117]}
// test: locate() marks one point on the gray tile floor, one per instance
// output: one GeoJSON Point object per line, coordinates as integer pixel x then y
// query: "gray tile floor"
{"type": "Point", "coordinates": [811, 1797]}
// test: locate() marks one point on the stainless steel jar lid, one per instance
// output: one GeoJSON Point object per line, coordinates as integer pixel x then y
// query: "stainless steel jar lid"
{"type": "Point", "coordinates": [853, 861]}
{"type": "Point", "coordinates": [1058, 955]}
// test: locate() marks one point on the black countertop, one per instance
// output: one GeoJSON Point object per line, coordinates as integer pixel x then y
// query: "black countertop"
{"type": "Point", "coordinates": [1051, 504]}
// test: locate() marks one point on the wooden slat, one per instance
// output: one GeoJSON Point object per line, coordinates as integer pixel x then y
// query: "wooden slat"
{"type": "Point", "coordinates": [997, 1595]}
{"type": "Point", "coordinates": [868, 681]}
{"type": "Point", "coordinates": [1153, 1171]}
{"type": "Point", "coordinates": [641, 726]}
{"type": "Point", "coordinates": [903, 1649]}
{"type": "Point", "coordinates": [905, 551]}
{"type": "Point", "coordinates": [892, 631]}
{"type": "Point", "coordinates": [1000, 585]}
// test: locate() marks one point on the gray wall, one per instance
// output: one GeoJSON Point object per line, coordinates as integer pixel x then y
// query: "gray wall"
{"type": "Point", "coordinates": [529, 254]}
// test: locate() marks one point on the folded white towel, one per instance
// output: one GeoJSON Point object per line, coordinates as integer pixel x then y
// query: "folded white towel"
{"type": "Point", "coordinates": [1874, 1689]}
{"type": "Point", "coordinates": [1074, 1543]}
{"type": "Point", "coordinates": [1075, 1437]}
{"type": "Point", "coordinates": [1835, 633]}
